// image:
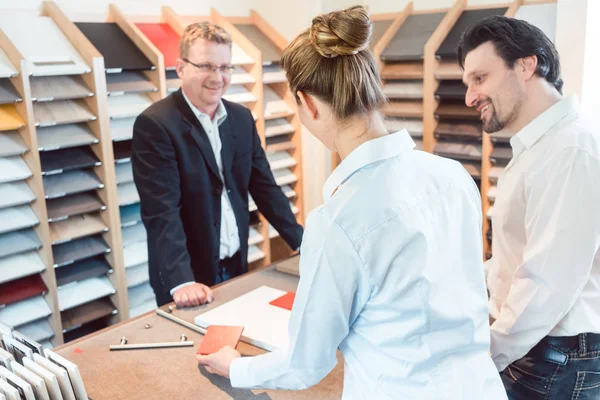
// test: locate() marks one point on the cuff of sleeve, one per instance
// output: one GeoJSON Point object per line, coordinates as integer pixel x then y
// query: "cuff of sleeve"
{"type": "Point", "coordinates": [239, 373]}
{"type": "Point", "coordinates": [180, 286]}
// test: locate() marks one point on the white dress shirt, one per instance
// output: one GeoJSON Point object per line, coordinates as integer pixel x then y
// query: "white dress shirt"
{"type": "Point", "coordinates": [230, 240]}
{"type": "Point", "coordinates": [391, 274]}
{"type": "Point", "coordinates": [544, 276]}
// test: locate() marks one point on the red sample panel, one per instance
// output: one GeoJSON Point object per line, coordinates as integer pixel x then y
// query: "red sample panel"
{"type": "Point", "coordinates": [218, 336]}
{"type": "Point", "coordinates": [21, 289]}
{"type": "Point", "coordinates": [164, 38]}
{"type": "Point", "coordinates": [286, 301]}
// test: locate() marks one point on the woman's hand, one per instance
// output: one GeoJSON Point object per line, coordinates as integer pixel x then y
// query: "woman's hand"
{"type": "Point", "coordinates": [219, 362]}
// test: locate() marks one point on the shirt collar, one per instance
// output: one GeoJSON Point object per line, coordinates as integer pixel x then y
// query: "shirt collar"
{"type": "Point", "coordinates": [534, 131]}
{"type": "Point", "coordinates": [367, 153]}
{"type": "Point", "coordinates": [220, 115]}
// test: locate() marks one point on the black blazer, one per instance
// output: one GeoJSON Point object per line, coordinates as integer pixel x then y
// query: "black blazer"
{"type": "Point", "coordinates": [178, 181]}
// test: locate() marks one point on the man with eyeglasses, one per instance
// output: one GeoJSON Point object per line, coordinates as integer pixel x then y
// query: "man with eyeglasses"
{"type": "Point", "coordinates": [195, 158]}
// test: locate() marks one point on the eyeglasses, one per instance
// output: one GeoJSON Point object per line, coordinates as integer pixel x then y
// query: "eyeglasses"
{"type": "Point", "coordinates": [224, 69]}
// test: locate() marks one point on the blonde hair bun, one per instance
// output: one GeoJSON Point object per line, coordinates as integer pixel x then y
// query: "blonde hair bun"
{"type": "Point", "coordinates": [341, 33]}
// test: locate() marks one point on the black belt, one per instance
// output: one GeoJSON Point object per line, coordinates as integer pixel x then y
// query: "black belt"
{"type": "Point", "coordinates": [230, 264]}
{"type": "Point", "coordinates": [573, 342]}
{"type": "Point", "coordinates": [557, 349]}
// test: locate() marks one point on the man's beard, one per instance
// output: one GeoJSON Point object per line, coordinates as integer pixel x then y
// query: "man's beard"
{"type": "Point", "coordinates": [494, 124]}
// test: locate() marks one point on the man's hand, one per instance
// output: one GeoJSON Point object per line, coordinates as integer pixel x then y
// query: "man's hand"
{"type": "Point", "coordinates": [219, 362]}
{"type": "Point", "coordinates": [193, 295]}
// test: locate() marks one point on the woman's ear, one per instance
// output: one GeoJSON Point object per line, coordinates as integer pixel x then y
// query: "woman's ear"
{"type": "Point", "coordinates": [308, 101]}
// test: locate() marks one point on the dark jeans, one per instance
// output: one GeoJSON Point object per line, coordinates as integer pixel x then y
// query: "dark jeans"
{"type": "Point", "coordinates": [558, 368]}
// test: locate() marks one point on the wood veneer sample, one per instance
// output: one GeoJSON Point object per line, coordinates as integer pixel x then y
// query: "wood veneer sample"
{"type": "Point", "coordinates": [447, 49]}
{"type": "Point", "coordinates": [66, 87]}
{"type": "Point", "coordinates": [61, 112]}
{"type": "Point", "coordinates": [77, 250]}
{"type": "Point", "coordinates": [68, 206]}
{"type": "Point", "coordinates": [409, 42]}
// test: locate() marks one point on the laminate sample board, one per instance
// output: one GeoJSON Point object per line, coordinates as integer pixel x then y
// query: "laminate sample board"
{"type": "Point", "coordinates": [15, 194]}
{"type": "Point", "coordinates": [279, 126]}
{"type": "Point", "coordinates": [68, 206]}
{"type": "Point", "coordinates": [66, 87]}
{"type": "Point", "coordinates": [274, 106]}
{"type": "Point", "coordinates": [119, 52]}
{"type": "Point", "coordinates": [56, 162]}
{"type": "Point", "coordinates": [447, 49]}
{"type": "Point", "coordinates": [239, 56]}
{"type": "Point", "coordinates": [71, 182]}
{"type": "Point", "coordinates": [403, 70]}
{"type": "Point", "coordinates": [10, 119]}
{"type": "Point", "coordinates": [140, 294]}
{"type": "Point", "coordinates": [38, 330]}
{"type": "Point", "coordinates": [456, 110]}
{"type": "Point", "coordinates": [128, 82]}
{"type": "Point", "coordinates": [20, 265]}
{"type": "Point", "coordinates": [404, 109]}
{"type": "Point", "coordinates": [124, 172]}
{"type": "Point", "coordinates": [87, 312]}
{"type": "Point", "coordinates": [379, 28]}
{"type": "Point", "coordinates": [273, 74]}
{"type": "Point", "coordinates": [21, 289]}
{"type": "Point", "coordinates": [265, 325]}
{"type": "Point", "coordinates": [61, 112]}
{"type": "Point", "coordinates": [76, 227]}
{"type": "Point", "coordinates": [26, 311]}
{"type": "Point", "coordinates": [86, 329]}
{"type": "Point", "coordinates": [403, 89]}
{"type": "Point", "coordinates": [135, 254]}
{"type": "Point", "coordinates": [239, 94]}
{"type": "Point", "coordinates": [128, 194]}
{"type": "Point", "coordinates": [255, 254]}
{"type": "Point", "coordinates": [474, 169]}
{"type": "Point", "coordinates": [82, 292]}
{"type": "Point", "coordinates": [165, 39]}
{"type": "Point", "coordinates": [143, 308]}
{"type": "Point", "coordinates": [19, 242]}
{"type": "Point", "coordinates": [269, 50]}
{"type": "Point", "coordinates": [409, 42]}
{"type": "Point", "coordinates": [137, 275]}
{"type": "Point", "coordinates": [91, 268]}
{"type": "Point", "coordinates": [122, 129]}
{"type": "Point", "coordinates": [17, 218]}
{"type": "Point", "coordinates": [6, 68]}
{"type": "Point", "coordinates": [501, 137]}
{"type": "Point", "coordinates": [280, 159]}
{"type": "Point", "coordinates": [467, 129]}
{"type": "Point", "coordinates": [501, 155]}
{"type": "Point", "coordinates": [13, 169]}
{"type": "Point", "coordinates": [11, 144]}
{"type": "Point", "coordinates": [77, 250]}
{"type": "Point", "coordinates": [8, 93]}
{"type": "Point", "coordinates": [448, 70]}
{"type": "Point", "coordinates": [44, 47]}
{"type": "Point", "coordinates": [451, 90]}
{"type": "Point", "coordinates": [130, 215]}
{"type": "Point", "coordinates": [128, 105]}
{"type": "Point", "coordinates": [66, 136]}
{"type": "Point", "coordinates": [134, 234]}
{"type": "Point", "coordinates": [279, 143]}
{"type": "Point", "coordinates": [463, 151]}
